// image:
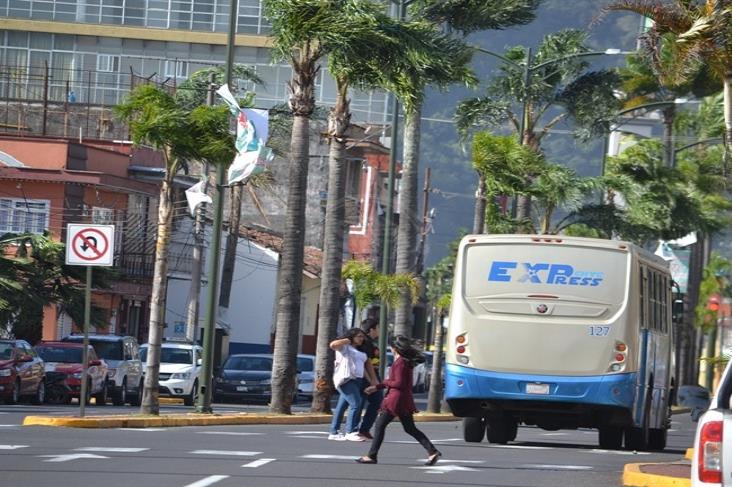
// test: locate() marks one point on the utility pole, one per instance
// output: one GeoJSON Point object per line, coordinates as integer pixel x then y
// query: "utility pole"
{"type": "Point", "coordinates": [204, 388]}
{"type": "Point", "coordinates": [232, 240]}
{"type": "Point", "coordinates": [197, 255]}
{"type": "Point", "coordinates": [386, 248]}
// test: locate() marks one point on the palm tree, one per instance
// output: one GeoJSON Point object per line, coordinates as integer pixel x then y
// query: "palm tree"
{"type": "Point", "coordinates": [702, 36]}
{"type": "Point", "coordinates": [156, 119]}
{"type": "Point", "coordinates": [524, 96]}
{"type": "Point", "coordinates": [304, 32]}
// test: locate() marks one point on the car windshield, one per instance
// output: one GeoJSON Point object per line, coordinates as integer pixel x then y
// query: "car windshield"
{"type": "Point", "coordinates": [107, 350]}
{"type": "Point", "coordinates": [304, 364]}
{"type": "Point", "coordinates": [248, 363]}
{"type": "Point", "coordinates": [6, 351]}
{"type": "Point", "coordinates": [170, 355]}
{"type": "Point", "coordinates": [66, 355]}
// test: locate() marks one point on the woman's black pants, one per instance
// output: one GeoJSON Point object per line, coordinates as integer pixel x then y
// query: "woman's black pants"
{"type": "Point", "coordinates": [409, 427]}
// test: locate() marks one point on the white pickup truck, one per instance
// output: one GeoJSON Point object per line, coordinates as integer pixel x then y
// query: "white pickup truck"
{"type": "Point", "coordinates": [711, 465]}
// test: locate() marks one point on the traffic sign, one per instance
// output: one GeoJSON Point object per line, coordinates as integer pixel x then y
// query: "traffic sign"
{"type": "Point", "coordinates": [89, 245]}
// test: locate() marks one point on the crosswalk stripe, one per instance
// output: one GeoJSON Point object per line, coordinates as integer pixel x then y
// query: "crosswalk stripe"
{"type": "Point", "coordinates": [258, 463]}
{"type": "Point", "coordinates": [207, 481]}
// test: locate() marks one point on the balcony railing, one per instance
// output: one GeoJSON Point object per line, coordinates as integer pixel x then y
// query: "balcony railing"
{"type": "Point", "coordinates": [136, 265]}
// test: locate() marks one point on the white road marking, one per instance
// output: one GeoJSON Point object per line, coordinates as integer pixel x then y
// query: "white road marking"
{"type": "Point", "coordinates": [12, 447]}
{"type": "Point", "coordinates": [433, 441]}
{"type": "Point", "coordinates": [111, 449]}
{"type": "Point", "coordinates": [521, 447]}
{"type": "Point", "coordinates": [142, 429]}
{"type": "Point", "coordinates": [226, 452]}
{"type": "Point", "coordinates": [207, 481]}
{"type": "Point", "coordinates": [330, 457]}
{"type": "Point", "coordinates": [308, 436]}
{"type": "Point", "coordinates": [445, 460]}
{"type": "Point", "coordinates": [554, 434]}
{"type": "Point", "coordinates": [69, 457]}
{"type": "Point", "coordinates": [308, 433]}
{"type": "Point", "coordinates": [258, 463]}
{"type": "Point", "coordinates": [617, 452]}
{"type": "Point", "coordinates": [443, 469]}
{"type": "Point", "coordinates": [233, 433]}
{"type": "Point", "coordinates": [554, 467]}
{"type": "Point", "coordinates": [8, 425]}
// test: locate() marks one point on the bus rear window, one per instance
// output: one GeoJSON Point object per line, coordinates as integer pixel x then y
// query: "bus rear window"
{"type": "Point", "coordinates": [553, 270]}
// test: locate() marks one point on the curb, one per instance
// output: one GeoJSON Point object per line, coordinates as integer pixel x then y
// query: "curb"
{"type": "Point", "coordinates": [689, 454]}
{"type": "Point", "coordinates": [197, 419]}
{"type": "Point", "coordinates": [633, 477]}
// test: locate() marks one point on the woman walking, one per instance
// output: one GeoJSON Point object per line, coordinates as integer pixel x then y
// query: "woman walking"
{"type": "Point", "coordinates": [399, 401]}
{"type": "Point", "coordinates": [351, 369]}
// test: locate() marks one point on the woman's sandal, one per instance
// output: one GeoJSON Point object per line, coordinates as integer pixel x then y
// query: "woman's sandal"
{"type": "Point", "coordinates": [366, 459]}
{"type": "Point", "coordinates": [432, 459]}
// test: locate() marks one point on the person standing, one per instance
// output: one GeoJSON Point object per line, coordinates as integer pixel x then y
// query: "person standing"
{"type": "Point", "coordinates": [348, 377]}
{"type": "Point", "coordinates": [399, 402]}
{"type": "Point", "coordinates": [370, 401]}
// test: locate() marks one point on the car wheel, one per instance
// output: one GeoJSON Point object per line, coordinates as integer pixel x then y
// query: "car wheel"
{"type": "Point", "coordinates": [121, 397]}
{"type": "Point", "coordinates": [137, 399]}
{"type": "Point", "coordinates": [101, 397]}
{"type": "Point", "coordinates": [14, 394]}
{"type": "Point", "coordinates": [40, 396]}
{"type": "Point", "coordinates": [657, 438]}
{"type": "Point", "coordinates": [191, 398]}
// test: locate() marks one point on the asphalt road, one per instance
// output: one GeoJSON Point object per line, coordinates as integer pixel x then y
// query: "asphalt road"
{"type": "Point", "coordinates": [301, 455]}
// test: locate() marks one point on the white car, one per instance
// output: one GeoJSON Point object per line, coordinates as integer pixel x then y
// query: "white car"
{"type": "Point", "coordinates": [180, 369]}
{"type": "Point", "coordinates": [711, 465]}
{"type": "Point", "coordinates": [306, 375]}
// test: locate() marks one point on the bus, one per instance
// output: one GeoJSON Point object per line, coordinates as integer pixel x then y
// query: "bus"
{"type": "Point", "coordinates": [561, 333]}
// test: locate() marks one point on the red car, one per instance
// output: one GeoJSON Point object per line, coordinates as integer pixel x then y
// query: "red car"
{"type": "Point", "coordinates": [64, 363]}
{"type": "Point", "coordinates": [21, 372]}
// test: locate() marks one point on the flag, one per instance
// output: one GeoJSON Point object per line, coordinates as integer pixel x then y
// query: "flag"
{"type": "Point", "coordinates": [195, 196]}
{"type": "Point", "coordinates": [252, 130]}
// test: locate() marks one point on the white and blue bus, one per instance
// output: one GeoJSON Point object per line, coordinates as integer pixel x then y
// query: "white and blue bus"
{"type": "Point", "coordinates": [561, 333]}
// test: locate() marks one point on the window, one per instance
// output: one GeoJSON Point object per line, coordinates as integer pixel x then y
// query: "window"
{"type": "Point", "coordinates": [176, 69]}
{"type": "Point", "coordinates": [107, 63]}
{"type": "Point", "coordinates": [102, 216]}
{"type": "Point", "coordinates": [21, 215]}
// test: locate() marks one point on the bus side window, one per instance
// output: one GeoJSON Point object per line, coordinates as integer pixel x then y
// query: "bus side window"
{"type": "Point", "coordinates": [643, 297]}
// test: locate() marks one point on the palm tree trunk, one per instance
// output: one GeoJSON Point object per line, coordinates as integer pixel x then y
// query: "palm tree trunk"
{"type": "Point", "coordinates": [669, 114]}
{"type": "Point", "coordinates": [232, 240]}
{"type": "Point", "coordinates": [407, 238]}
{"type": "Point", "coordinates": [150, 400]}
{"type": "Point", "coordinates": [434, 397]}
{"type": "Point", "coordinates": [330, 279]}
{"type": "Point", "coordinates": [727, 93]}
{"type": "Point", "coordinates": [546, 220]}
{"type": "Point", "coordinates": [479, 215]}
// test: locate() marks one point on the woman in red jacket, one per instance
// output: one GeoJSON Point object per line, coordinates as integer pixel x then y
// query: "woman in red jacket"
{"type": "Point", "coordinates": [399, 401]}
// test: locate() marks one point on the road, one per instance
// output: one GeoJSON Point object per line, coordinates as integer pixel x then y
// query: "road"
{"type": "Point", "coordinates": [286, 456]}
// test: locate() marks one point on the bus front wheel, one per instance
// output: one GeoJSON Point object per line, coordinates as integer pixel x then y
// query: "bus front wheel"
{"type": "Point", "coordinates": [610, 437]}
{"type": "Point", "coordinates": [473, 429]}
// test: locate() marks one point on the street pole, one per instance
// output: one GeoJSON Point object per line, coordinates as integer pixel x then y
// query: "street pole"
{"type": "Point", "coordinates": [204, 390]}
{"type": "Point", "coordinates": [386, 247]}
{"type": "Point", "coordinates": [85, 352]}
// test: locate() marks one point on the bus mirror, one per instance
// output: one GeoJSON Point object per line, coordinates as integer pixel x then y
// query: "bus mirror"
{"type": "Point", "coordinates": [677, 309]}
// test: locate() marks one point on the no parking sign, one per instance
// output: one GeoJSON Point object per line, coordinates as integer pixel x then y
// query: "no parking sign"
{"type": "Point", "coordinates": [89, 245]}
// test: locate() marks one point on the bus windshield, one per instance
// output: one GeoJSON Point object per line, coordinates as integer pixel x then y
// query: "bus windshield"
{"type": "Point", "coordinates": [521, 270]}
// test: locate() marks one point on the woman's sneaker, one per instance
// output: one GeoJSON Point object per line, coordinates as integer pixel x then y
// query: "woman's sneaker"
{"type": "Point", "coordinates": [355, 437]}
{"type": "Point", "coordinates": [337, 437]}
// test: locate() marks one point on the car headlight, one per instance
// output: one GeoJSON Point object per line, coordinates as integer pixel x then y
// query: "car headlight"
{"type": "Point", "coordinates": [6, 372]}
{"type": "Point", "coordinates": [111, 372]}
{"type": "Point", "coordinates": [76, 375]}
{"type": "Point", "coordinates": [181, 376]}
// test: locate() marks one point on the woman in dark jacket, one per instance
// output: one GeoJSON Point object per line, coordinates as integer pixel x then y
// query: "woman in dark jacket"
{"type": "Point", "coordinates": [399, 401]}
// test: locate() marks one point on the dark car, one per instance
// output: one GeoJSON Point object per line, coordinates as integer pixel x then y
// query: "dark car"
{"type": "Point", "coordinates": [245, 377]}
{"type": "Point", "coordinates": [64, 366]}
{"type": "Point", "coordinates": [21, 372]}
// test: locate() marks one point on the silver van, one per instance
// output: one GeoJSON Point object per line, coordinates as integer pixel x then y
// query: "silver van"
{"type": "Point", "coordinates": [122, 355]}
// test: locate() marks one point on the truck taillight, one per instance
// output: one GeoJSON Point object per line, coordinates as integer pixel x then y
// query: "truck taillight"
{"type": "Point", "coordinates": [710, 452]}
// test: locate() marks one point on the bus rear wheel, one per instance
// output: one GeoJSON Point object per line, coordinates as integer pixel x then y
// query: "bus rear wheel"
{"type": "Point", "coordinates": [610, 437]}
{"type": "Point", "coordinates": [501, 431]}
{"type": "Point", "coordinates": [473, 429]}
{"type": "Point", "coordinates": [657, 438]}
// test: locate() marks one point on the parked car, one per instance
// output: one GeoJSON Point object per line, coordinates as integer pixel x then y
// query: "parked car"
{"type": "Point", "coordinates": [419, 373]}
{"type": "Point", "coordinates": [306, 375]}
{"type": "Point", "coordinates": [180, 370]}
{"type": "Point", "coordinates": [712, 447]}
{"type": "Point", "coordinates": [429, 359]}
{"type": "Point", "coordinates": [245, 377]}
{"type": "Point", "coordinates": [122, 355]}
{"type": "Point", "coordinates": [64, 361]}
{"type": "Point", "coordinates": [694, 397]}
{"type": "Point", "coordinates": [21, 372]}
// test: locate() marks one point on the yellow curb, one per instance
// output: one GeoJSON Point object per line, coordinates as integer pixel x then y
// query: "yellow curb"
{"type": "Point", "coordinates": [689, 454]}
{"type": "Point", "coordinates": [170, 400]}
{"type": "Point", "coordinates": [196, 419]}
{"type": "Point", "coordinates": [633, 477]}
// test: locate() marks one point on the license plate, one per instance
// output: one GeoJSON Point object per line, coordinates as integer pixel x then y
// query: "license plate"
{"type": "Point", "coordinates": [537, 388]}
{"type": "Point", "coordinates": [242, 389]}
